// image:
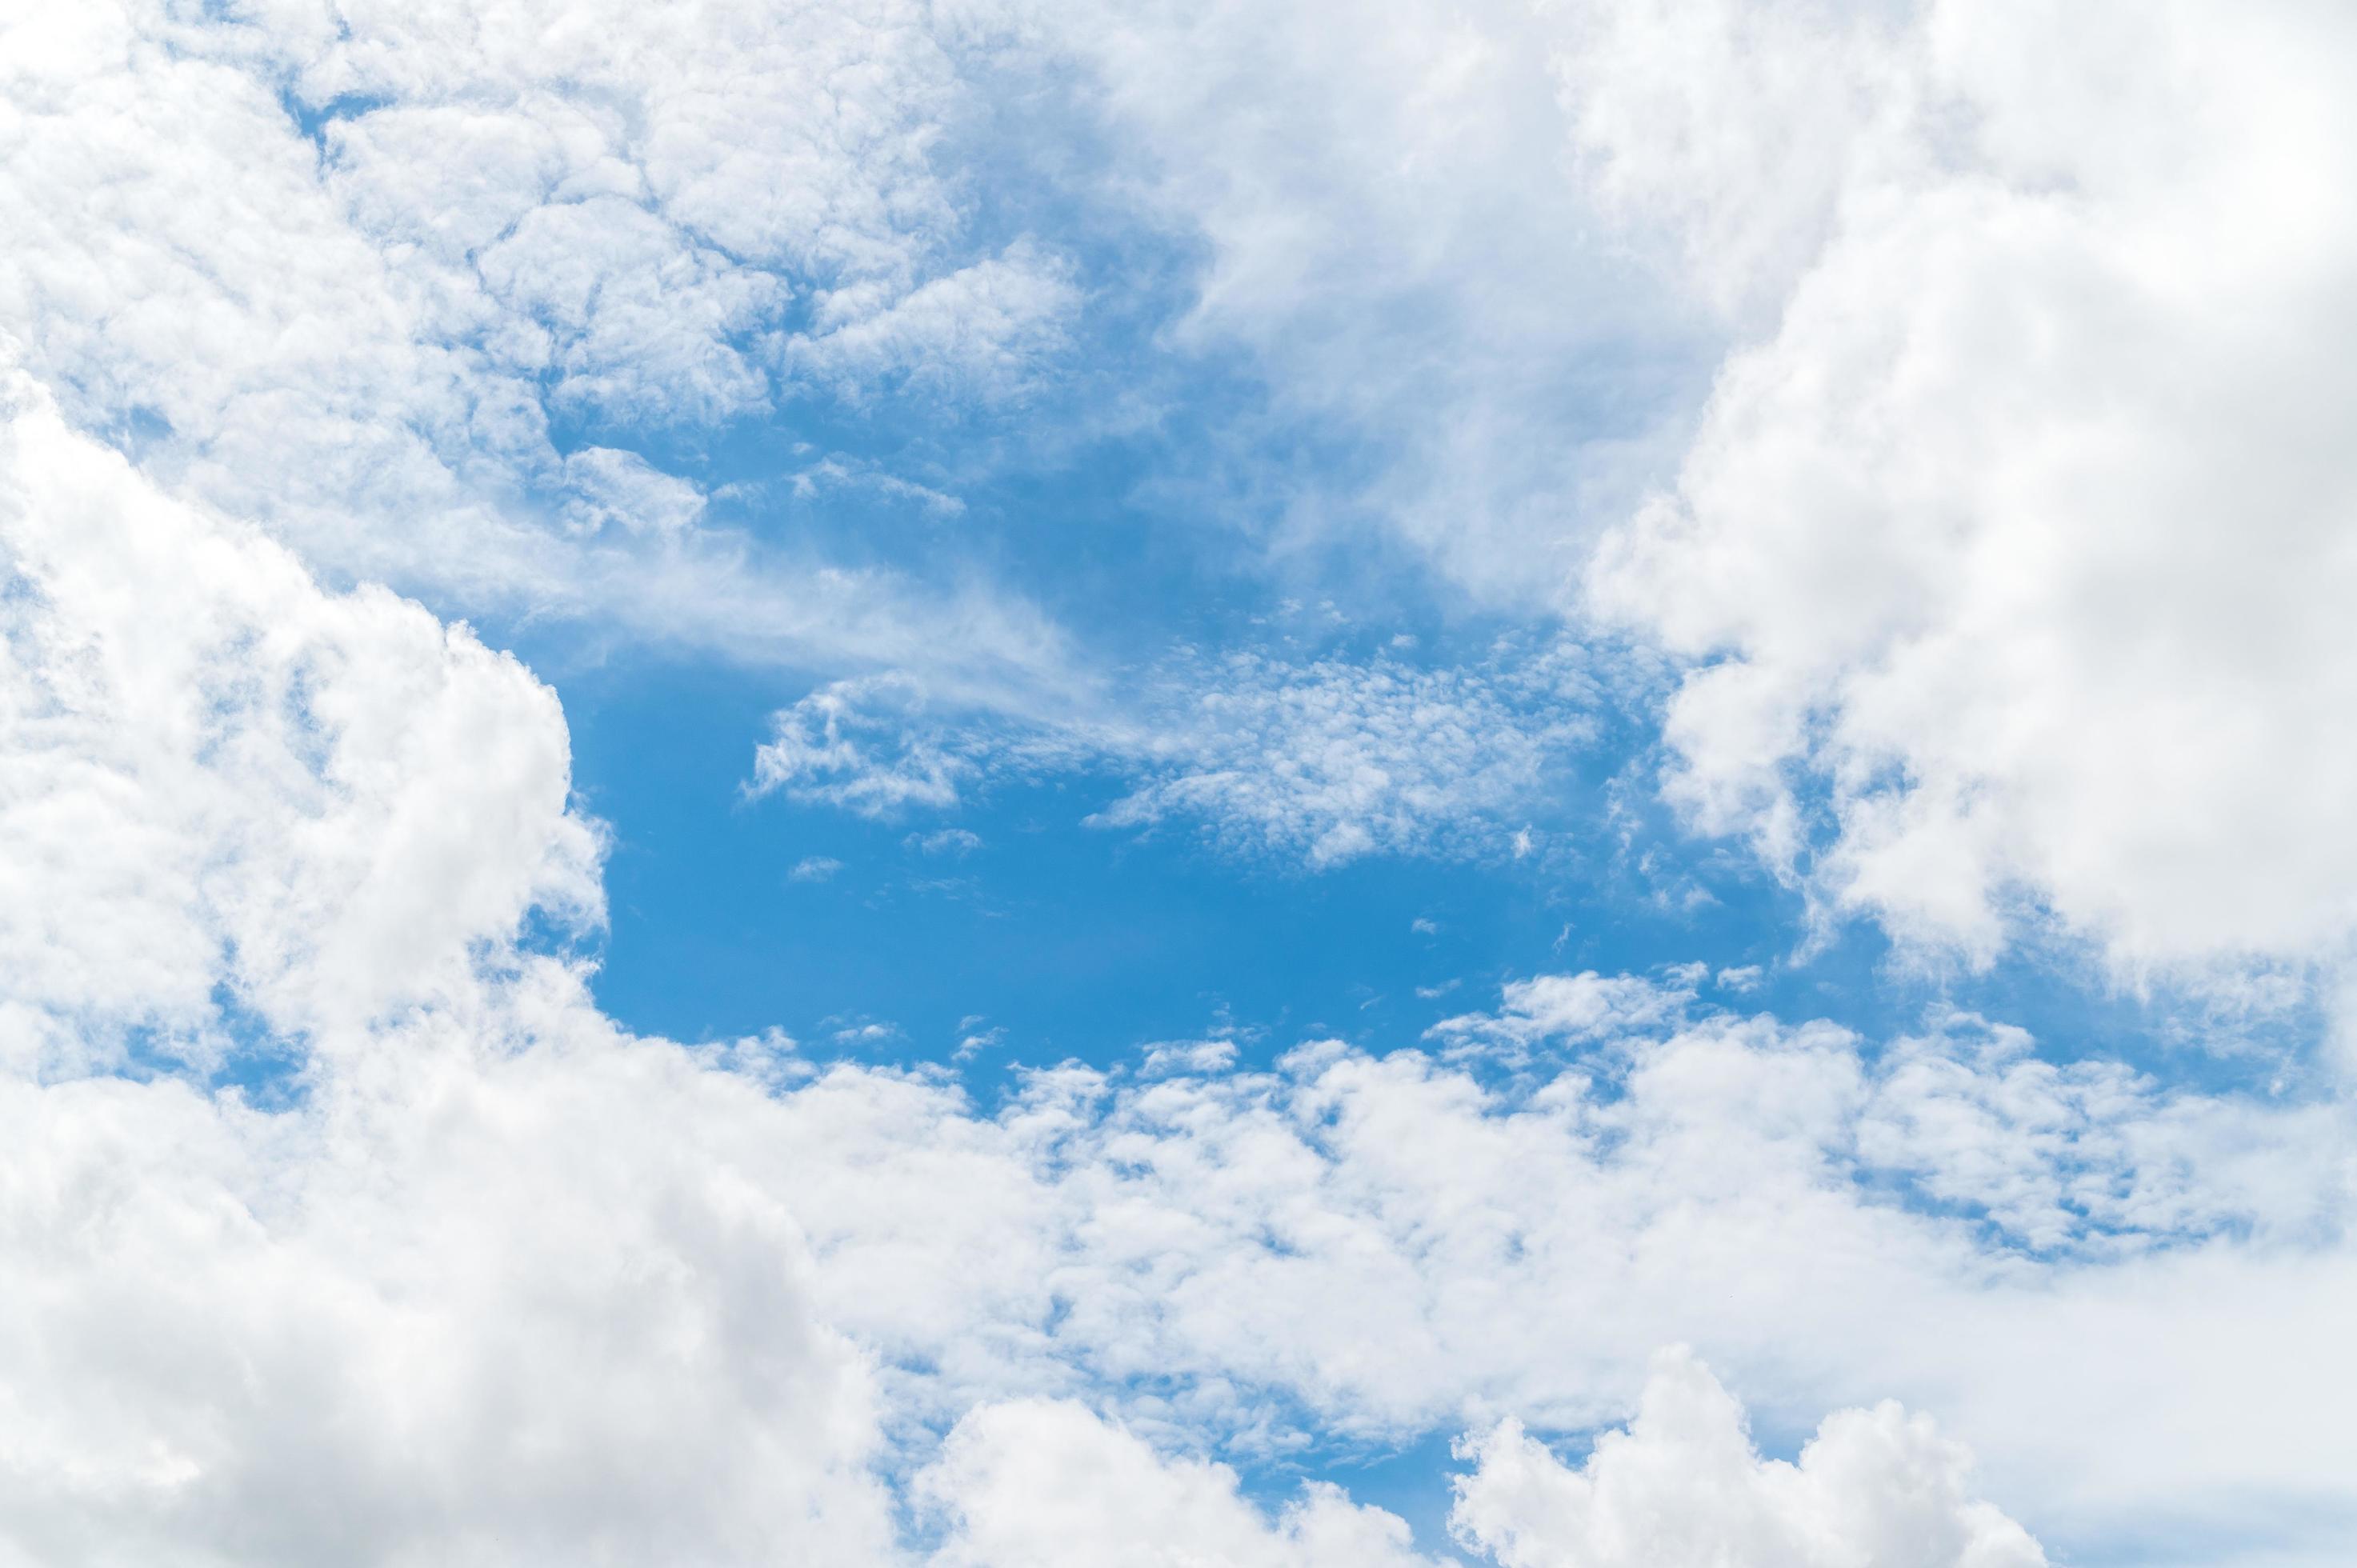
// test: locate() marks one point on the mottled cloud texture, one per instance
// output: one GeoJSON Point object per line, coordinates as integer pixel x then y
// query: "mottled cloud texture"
{"type": "Point", "coordinates": [1897, 454]}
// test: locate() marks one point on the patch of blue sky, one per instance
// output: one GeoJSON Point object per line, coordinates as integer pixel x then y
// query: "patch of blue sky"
{"type": "Point", "coordinates": [1072, 941]}
{"type": "Point", "coordinates": [236, 1049]}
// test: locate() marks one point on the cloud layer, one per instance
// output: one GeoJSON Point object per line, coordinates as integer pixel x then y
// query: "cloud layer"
{"type": "Point", "coordinates": [1950, 394]}
{"type": "Point", "coordinates": [504, 1282]}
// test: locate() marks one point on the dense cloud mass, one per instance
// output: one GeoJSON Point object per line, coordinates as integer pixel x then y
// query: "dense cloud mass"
{"type": "Point", "coordinates": [1902, 444]}
{"type": "Point", "coordinates": [229, 791]}
{"type": "Point", "coordinates": [2017, 545]}
{"type": "Point", "coordinates": [1683, 1488]}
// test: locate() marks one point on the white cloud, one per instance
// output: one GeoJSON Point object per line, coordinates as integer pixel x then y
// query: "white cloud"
{"type": "Point", "coordinates": [860, 745]}
{"type": "Point", "coordinates": [623, 490]}
{"type": "Point", "coordinates": [1047, 1485]}
{"type": "Point", "coordinates": [1324, 761]}
{"type": "Point", "coordinates": [974, 1039]}
{"type": "Point", "coordinates": [1683, 1488]}
{"type": "Point", "coordinates": [814, 868]}
{"type": "Point", "coordinates": [1158, 1057]}
{"type": "Point", "coordinates": [957, 841]}
{"type": "Point", "coordinates": [984, 330]}
{"type": "Point", "coordinates": [457, 1299]}
{"type": "Point", "coordinates": [837, 473]}
{"type": "Point", "coordinates": [1574, 1008]}
{"type": "Point", "coordinates": [2012, 542]}
{"type": "Point", "coordinates": [218, 773]}
{"type": "Point", "coordinates": [1331, 760]}
{"type": "Point", "coordinates": [339, 339]}
{"type": "Point", "coordinates": [494, 1282]}
{"type": "Point", "coordinates": [456, 1308]}
{"type": "Point", "coordinates": [1385, 1246]}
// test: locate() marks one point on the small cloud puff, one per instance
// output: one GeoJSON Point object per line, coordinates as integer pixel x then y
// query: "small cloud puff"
{"type": "Point", "coordinates": [974, 1039]}
{"type": "Point", "coordinates": [859, 744]}
{"type": "Point", "coordinates": [1164, 1057]}
{"type": "Point", "coordinates": [1570, 1008]}
{"type": "Point", "coordinates": [955, 841]}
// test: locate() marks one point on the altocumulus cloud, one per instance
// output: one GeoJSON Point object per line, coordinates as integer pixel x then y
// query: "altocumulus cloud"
{"type": "Point", "coordinates": [314, 326]}
{"type": "Point", "coordinates": [1317, 763]}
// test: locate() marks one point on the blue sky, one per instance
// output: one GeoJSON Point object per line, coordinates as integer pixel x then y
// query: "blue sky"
{"type": "Point", "coordinates": [1004, 785]}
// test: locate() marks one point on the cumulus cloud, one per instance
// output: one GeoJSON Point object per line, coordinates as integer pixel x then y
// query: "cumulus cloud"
{"type": "Point", "coordinates": [2007, 555]}
{"type": "Point", "coordinates": [984, 330]}
{"type": "Point", "coordinates": [1682, 1487]}
{"type": "Point", "coordinates": [219, 775]}
{"type": "Point", "coordinates": [1378, 1246]}
{"type": "Point", "coordinates": [454, 1308]}
{"type": "Point", "coordinates": [468, 1274]}
{"type": "Point", "coordinates": [1573, 1007]}
{"type": "Point", "coordinates": [245, 816]}
{"type": "Point", "coordinates": [1049, 1485]}
{"type": "Point", "coordinates": [958, 842]}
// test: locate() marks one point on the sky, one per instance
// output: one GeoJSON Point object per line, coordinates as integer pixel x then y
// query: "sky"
{"type": "Point", "coordinates": [1000, 784]}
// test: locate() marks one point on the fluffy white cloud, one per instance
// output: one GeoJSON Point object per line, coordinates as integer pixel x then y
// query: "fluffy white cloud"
{"type": "Point", "coordinates": [1035, 1484]}
{"type": "Point", "coordinates": [216, 774]}
{"type": "Point", "coordinates": [454, 1308]}
{"type": "Point", "coordinates": [2013, 555]}
{"type": "Point", "coordinates": [984, 329]}
{"type": "Point", "coordinates": [2005, 543]}
{"type": "Point", "coordinates": [457, 1299]}
{"type": "Point", "coordinates": [1683, 1488]}
{"type": "Point", "coordinates": [1381, 1247]}
{"type": "Point", "coordinates": [481, 1279]}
